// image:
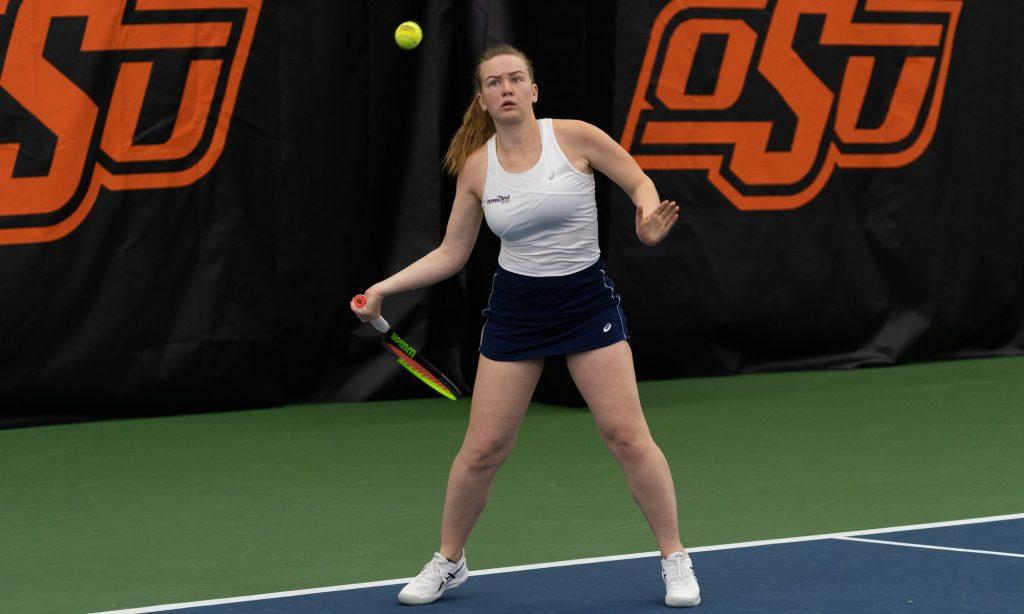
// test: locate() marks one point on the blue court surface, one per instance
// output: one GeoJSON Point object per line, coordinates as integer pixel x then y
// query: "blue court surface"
{"type": "Point", "coordinates": [968, 566]}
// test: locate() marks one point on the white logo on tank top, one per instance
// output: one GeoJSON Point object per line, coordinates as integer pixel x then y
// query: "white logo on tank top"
{"type": "Point", "coordinates": [607, 327]}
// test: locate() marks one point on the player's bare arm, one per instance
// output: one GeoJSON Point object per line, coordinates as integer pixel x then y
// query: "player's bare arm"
{"type": "Point", "coordinates": [449, 257]}
{"type": "Point", "coordinates": [654, 217]}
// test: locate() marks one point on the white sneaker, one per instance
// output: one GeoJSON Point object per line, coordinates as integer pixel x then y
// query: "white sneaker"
{"type": "Point", "coordinates": [437, 576]}
{"type": "Point", "coordinates": [681, 588]}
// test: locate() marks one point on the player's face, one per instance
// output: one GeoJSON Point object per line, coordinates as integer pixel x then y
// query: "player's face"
{"type": "Point", "coordinates": [506, 90]}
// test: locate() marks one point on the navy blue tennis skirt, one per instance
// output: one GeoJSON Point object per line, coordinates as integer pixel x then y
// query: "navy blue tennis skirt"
{"type": "Point", "coordinates": [528, 317]}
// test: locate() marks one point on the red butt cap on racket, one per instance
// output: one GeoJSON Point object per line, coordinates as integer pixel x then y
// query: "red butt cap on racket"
{"type": "Point", "coordinates": [379, 322]}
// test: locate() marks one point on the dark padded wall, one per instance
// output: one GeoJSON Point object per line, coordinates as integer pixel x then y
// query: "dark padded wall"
{"type": "Point", "coordinates": [228, 289]}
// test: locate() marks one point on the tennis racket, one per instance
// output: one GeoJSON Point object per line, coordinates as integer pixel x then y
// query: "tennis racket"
{"type": "Point", "coordinates": [411, 359]}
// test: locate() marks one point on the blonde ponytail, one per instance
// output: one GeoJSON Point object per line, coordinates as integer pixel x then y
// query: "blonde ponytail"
{"type": "Point", "coordinates": [477, 125]}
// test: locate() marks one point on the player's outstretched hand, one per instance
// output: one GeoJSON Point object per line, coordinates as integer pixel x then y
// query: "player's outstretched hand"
{"type": "Point", "coordinates": [653, 228]}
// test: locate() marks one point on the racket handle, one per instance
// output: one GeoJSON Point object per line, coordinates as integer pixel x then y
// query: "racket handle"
{"type": "Point", "coordinates": [379, 322]}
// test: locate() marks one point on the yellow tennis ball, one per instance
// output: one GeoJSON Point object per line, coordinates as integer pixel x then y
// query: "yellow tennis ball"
{"type": "Point", "coordinates": [408, 34]}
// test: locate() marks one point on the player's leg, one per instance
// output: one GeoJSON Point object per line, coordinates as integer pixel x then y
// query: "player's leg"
{"type": "Point", "coordinates": [607, 382]}
{"type": "Point", "coordinates": [501, 394]}
{"type": "Point", "coordinates": [606, 379]}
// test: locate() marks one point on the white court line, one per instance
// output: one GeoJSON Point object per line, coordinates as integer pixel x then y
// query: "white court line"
{"type": "Point", "coordinates": [929, 547]}
{"type": "Point", "coordinates": [600, 559]}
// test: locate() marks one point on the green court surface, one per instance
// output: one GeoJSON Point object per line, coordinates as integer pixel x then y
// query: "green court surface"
{"type": "Point", "coordinates": [130, 513]}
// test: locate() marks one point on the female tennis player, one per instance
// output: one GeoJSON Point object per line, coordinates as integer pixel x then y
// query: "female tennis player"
{"type": "Point", "coordinates": [532, 180]}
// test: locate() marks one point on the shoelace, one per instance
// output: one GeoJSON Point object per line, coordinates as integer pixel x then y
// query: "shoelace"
{"type": "Point", "coordinates": [431, 571]}
{"type": "Point", "coordinates": [677, 568]}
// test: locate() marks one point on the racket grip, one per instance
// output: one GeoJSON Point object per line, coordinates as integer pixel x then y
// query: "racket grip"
{"type": "Point", "coordinates": [381, 324]}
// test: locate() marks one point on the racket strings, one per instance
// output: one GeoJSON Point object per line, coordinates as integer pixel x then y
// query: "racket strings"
{"type": "Point", "coordinates": [423, 374]}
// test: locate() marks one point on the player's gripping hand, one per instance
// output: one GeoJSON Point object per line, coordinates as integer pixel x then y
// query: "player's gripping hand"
{"type": "Point", "coordinates": [366, 306]}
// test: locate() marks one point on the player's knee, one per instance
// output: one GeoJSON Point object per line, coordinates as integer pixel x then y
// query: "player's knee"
{"type": "Point", "coordinates": [487, 454]}
{"type": "Point", "coordinates": [627, 446]}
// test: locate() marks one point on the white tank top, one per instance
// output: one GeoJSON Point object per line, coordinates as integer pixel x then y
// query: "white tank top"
{"type": "Point", "coordinates": [546, 217]}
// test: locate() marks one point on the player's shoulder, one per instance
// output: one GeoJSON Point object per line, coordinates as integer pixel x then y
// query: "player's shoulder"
{"type": "Point", "coordinates": [571, 126]}
{"type": "Point", "coordinates": [574, 130]}
{"type": "Point", "coordinates": [474, 170]}
{"type": "Point", "coordinates": [476, 162]}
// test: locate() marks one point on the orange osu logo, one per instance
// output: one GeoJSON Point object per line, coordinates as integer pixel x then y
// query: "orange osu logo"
{"type": "Point", "coordinates": [770, 96]}
{"type": "Point", "coordinates": [114, 94]}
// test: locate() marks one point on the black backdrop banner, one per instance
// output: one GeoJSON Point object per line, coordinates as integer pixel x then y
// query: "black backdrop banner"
{"type": "Point", "coordinates": [849, 178]}
{"type": "Point", "coordinates": [190, 195]}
